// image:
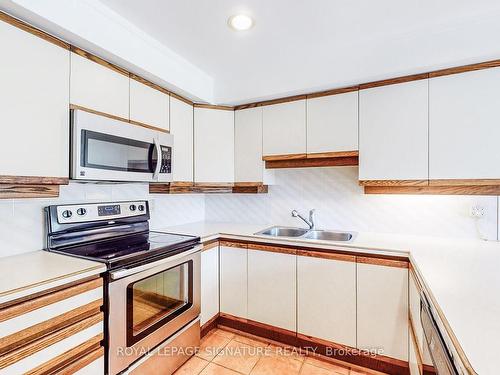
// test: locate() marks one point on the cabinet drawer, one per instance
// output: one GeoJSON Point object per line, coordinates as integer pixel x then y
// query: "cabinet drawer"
{"type": "Point", "coordinates": [52, 331]}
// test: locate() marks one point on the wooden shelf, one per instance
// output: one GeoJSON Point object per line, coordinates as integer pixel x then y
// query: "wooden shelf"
{"type": "Point", "coordinates": [324, 159]}
{"type": "Point", "coordinates": [208, 188]}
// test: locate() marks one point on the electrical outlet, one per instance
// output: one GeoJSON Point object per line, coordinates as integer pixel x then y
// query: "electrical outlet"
{"type": "Point", "coordinates": [477, 211]}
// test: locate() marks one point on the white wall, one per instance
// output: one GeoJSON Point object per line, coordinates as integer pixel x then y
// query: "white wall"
{"type": "Point", "coordinates": [22, 223]}
{"type": "Point", "coordinates": [341, 204]}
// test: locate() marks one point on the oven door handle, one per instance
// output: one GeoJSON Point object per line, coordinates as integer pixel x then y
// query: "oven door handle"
{"type": "Point", "coordinates": [124, 272]}
{"type": "Point", "coordinates": [159, 159]}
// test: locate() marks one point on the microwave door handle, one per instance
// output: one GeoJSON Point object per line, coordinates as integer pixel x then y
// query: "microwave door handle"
{"type": "Point", "coordinates": [158, 159]}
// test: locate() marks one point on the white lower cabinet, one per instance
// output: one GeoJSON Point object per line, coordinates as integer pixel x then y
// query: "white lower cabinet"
{"type": "Point", "coordinates": [382, 303]}
{"type": "Point", "coordinates": [209, 284]}
{"type": "Point", "coordinates": [414, 311]}
{"type": "Point", "coordinates": [233, 281]}
{"type": "Point", "coordinates": [326, 299]}
{"type": "Point", "coordinates": [272, 288]}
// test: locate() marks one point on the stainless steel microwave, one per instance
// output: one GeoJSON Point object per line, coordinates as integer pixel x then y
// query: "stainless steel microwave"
{"type": "Point", "coordinates": [105, 149]}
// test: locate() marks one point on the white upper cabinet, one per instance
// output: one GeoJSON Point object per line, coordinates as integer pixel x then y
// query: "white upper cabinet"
{"type": "Point", "coordinates": [329, 287]}
{"type": "Point", "coordinates": [382, 306]}
{"type": "Point", "coordinates": [248, 164]}
{"type": "Point", "coordinates": [233, 280]}
{"type": "Point", "coordinates": [148, 105]}
{"type": "Point", "coordinates": [464, 125]}
{"type": "Point", "coordinates": [213, 145]}
{"type": "Point", "coordinates": [181, 127]}
{"type": "Point", "coordinates": [97, 87]}
{"type": "Point", "coordinates": [272, 288]}
{"type": "Point", "coordinates": [393, 132]}
{"type": "Point", "coordinates": [34, 105]}
{"type": "Point", "coordinates": [332, 123]}
{"type": "Point", "coordinates": [284, 128]}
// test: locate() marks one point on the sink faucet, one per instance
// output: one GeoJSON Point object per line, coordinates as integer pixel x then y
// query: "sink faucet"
{"type": "Point", "coordinates": [309, 222]}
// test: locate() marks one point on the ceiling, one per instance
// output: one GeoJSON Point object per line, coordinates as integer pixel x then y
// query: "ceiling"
{"type": "Point", "coordinates": [303, 46]}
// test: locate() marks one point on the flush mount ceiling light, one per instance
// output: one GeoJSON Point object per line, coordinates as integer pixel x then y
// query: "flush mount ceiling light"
{"type": "Point", "coordinates": [240, 22]}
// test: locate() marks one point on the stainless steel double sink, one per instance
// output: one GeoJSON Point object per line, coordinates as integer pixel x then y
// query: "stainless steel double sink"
{"type": "Point", "coordinates": [308, 234]}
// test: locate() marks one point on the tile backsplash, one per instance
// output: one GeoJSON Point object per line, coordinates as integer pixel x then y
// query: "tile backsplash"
{"type": "Point", "coordinates": [22, 223]}
{"type": "Point", "coordinates": [340, 204]}
{"type": "Point", "coordinates": [334, 192]}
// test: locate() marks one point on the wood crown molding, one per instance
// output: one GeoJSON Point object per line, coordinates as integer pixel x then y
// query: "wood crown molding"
{"type": "Point", "coordinates": [212, 106]}
{"type": "Point", "coordinates": [33, 30]}
{"type": "Point", "coordinates": [210, 245]}
{"type": "Point", "coordinates": [149, 83]}
{"type": "Point", "coordinates": [98, 60]}
{"type": "Point", "coordinates": [394, 81]}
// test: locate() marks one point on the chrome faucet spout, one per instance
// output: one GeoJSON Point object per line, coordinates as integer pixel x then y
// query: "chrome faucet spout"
{"type": "Point", "coordinates": [310, 222]}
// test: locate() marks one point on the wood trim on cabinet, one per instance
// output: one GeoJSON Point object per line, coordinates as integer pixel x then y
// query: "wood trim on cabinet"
{"type": "Point", "coordinates": [333, 154]}
{"type": "Point", "coordinates": [316, 162]}
{"type": "Point", "coordinates": [72, 360]}
{"type": "Point", "coordinates": [464, 182]}
{"type": "Point", "coordinates": [48, 340]}
{"type": "Point", "coordinates": [271, 102]}
{"type": "Point", "coordinates": [283, 157]}
{"type": "Point", "coordinates": [272, 248]}
{"type": "Point", "coordinates": [9, 191]}
{"type": "Point", "coordinates": [210, 245]}
{"type": "Point", "coordinates": [34, 180]}
{"type": "Point", "coordinates": [465, 68]}
{"type": "Point", "coordinates": [382, 261]}
{"type": "Point", "coordinates": [243, 188]}
{"type": "Point", "coordinates": [33, 30]}
{"type": "Point", "coordinates": [149, 83]}
{"type": "Point", "coordinates": [30, 334]}
{"type": "Point", "coordinates": [342, 90]}
{"type": "Point", "coordinates": [394, 81]}
{"type": "Point", "coordinates": [181, 98]}
{"type": "Point", "coordinates": [171, 188]}
{"type": "Point", "coordinates": [393, 182]}
{"type": "Point", "coordinates": [209, 325]}
{"type": "Point", "coordinates": [98, 60]}
{"type": "Point", "coordinates": [207, 188]}
{"type": "Point", "coordinates": [152, 127]}
{"type": "Point", "coordinates": [327, 255]}
{"type": "Point", "coordinates": [227, 243]}
{"type": "Point", "coordinates": [48, 299]}
{"type": "Point", "coordinates": [314, 345]}
{"type": "Point", "coordinates": [212, 106]}
{"type": "Point", "coordinates": [434, 190]}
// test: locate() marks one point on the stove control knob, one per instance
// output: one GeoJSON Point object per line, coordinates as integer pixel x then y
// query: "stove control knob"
{"type": "Point", "coordinates": [81, 211]}
{"type": "Point", "coordinates": [132, 207]}
{"type": "Point", "coordinates": [67, 214]}
{"type": "Point", "coordinates": [141, 207]}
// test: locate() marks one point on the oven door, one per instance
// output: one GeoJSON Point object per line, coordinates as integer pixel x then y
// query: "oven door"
{"type": "Point", "coordinates": [149, 303]}
{"type": "Point", "coordinates": [111, 150]}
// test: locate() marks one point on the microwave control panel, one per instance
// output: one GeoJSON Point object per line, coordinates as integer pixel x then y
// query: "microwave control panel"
{"type": "Point", "coordinates": [166, 159]}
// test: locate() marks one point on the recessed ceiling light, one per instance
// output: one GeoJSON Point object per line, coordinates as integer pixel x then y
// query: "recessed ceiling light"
{"type": "Point", "coordinates": [240, 22]}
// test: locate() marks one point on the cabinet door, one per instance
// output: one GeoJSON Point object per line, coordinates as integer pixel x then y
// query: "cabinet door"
{"type": "Point", "coordinates": [464, 125]}
{"type": "Point", "coordinates": [284, 128]}
{"type": "Point", "coordinates": [233, 281]}
{"type": "Point", "coordinates": [332, 123]}
{"type": "Point", "coordinates": [181, 127]}
{"type": "Point", "coordinates": [148, 105]}
{"type": "Point", "coordinates": [393, 132]}
{"type": "Point", "coordinates": [248, 164]}
{"type": "Point", "coordinates": [413, 361]}
{"type": "Point", "coordinates": [209, 284]}
{"type": "Point", "coordinates": [213, 145]}
{"type": "Point", "coordinates": [97, 87]}
{"type": "Point", "coordinates": [382, 302]}
{"type": "Point", "coordinates": [328, 286]}
{"type": "Point", "coordinates": [34, 105]}
{"type": "Point", "coordinates": [272, 288]}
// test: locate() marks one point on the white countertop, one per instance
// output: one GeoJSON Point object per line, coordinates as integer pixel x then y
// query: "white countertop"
{"type": "Point", "coordinates": [36, 271]}
{"type": "Point", "coordinates": [463, 276]}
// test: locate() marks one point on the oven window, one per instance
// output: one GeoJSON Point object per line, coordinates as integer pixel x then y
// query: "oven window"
{"type": "Point", "coordinates": [157, 299]}
{"type": "Point", "coordinates": [105, 151]}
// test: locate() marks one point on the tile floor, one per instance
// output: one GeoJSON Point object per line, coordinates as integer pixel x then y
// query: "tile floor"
{"type": "Point", "coordinates": [226, 353]}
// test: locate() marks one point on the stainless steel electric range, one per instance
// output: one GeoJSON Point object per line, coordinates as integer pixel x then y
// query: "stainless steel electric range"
{"type": "Point", "coordinates": [152, 289]}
